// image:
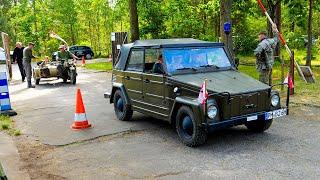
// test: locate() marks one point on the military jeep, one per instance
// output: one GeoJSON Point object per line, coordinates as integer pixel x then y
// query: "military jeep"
{"type": "Point", "coordinates": [163, 78]}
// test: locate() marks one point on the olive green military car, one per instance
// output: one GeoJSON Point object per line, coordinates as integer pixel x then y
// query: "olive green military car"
{"type": "Point", "coordinates": [162, 78]}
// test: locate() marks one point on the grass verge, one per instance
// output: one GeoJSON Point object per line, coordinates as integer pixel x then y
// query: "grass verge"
{"type": "Point", "coordinates": [100, 66]}
{"type": "Point", "coordinates": [300, 57]}
{"type": "Point", "coordinates": [6, 125]}
{"type": "Point", "coordinates": [304, 92]}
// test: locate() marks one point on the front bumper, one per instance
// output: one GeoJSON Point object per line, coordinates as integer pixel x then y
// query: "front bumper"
{"type": "Point", "coordinates": [107, 95]}
{"type": "Point", "coordinates": [239, 120]}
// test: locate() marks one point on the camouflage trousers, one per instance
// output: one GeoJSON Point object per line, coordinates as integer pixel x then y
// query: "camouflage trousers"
{"type": "Point", "coordinates": [265, 76]}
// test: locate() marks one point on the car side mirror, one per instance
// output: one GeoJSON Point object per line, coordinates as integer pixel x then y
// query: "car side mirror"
{"type": "Point", "coordinates": [237, 62]}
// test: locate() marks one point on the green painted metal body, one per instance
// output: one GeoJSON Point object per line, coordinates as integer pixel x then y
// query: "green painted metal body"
{"type": "Point", "coordinates": [161, 95]}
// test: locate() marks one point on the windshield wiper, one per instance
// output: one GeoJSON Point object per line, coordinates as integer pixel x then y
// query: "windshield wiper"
{"type": "Point", "coordinates": [217, 67]}
{"type": "Point", "coordinates": [180, 69]}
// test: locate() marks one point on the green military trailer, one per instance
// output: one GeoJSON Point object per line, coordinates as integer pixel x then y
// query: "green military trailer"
{"type": "Point", "coordinates": [163, 79]}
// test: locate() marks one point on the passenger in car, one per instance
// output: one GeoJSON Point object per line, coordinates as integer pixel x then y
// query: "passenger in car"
{"type": "Point", "coordinates": [158, 66]}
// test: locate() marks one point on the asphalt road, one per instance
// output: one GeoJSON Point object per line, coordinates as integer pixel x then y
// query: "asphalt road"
{"type": "Point", "coordinates": [148, 149]}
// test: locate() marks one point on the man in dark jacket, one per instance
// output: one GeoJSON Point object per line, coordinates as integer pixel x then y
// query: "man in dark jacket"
{"type": "Point", "coordinates": [17, 58]}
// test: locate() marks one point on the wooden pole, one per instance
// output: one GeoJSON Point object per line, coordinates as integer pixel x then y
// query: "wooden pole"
{"type": "Point", "coordinates": [282, 72]}
{"type": "Point", "coordinates": [292, 64]}
{"type": "Point", "coordinates": [6, 47]}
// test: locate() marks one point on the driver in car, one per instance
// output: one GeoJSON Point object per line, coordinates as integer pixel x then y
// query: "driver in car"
{"type": "Point", "coordinates": [62, 56]}
{"type": "Point", "coordinates": [158, 66]}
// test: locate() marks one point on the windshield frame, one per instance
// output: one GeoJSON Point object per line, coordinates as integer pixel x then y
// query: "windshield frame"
{"type": "Point", "coordinates": [200, 69]}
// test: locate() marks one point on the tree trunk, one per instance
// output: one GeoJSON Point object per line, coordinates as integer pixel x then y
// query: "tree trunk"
{"type": "Point", "coordinates": [292, 27]}
{"type": "Point", "coordinates": [134, 23]}
{"type": "Point", "coordinates": [271, 8]}
{"type": "Point", "coordinates": [35, 15]}
{"type": "Point", "coordinates": [309, 48]}
{"type": "Point", "coordinates": [225, 16]}
{"type": "Point", "coordinates": [278, 23]}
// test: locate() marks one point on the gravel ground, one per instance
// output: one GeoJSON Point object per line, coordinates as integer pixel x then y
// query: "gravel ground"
{"type": "Point", "coordinates": [288, 150]}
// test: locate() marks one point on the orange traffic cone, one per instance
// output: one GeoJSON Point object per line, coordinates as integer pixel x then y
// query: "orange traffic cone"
{"type": "Point", "coordinates": [80, 117]}
{"type": "Point", "coordinates": [83, 61]}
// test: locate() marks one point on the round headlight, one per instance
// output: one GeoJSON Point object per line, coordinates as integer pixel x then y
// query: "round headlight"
{"type": "Point", "coordinates": [275, 99]}
{"type": "Point", "coordinates": [212, 112]}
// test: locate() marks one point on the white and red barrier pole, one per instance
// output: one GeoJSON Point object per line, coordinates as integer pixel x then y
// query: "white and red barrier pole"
{"type": "Point", "coordinates": [283, 41]}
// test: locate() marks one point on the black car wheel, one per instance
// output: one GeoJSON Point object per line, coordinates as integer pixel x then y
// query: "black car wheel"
{"type": "Point", "coordinates": [190, 133]}
{"type": "Point", "coordinates": [88, 56]}
{"type": "Point", "coordinates": [259, 126]}
{"type": "Point", "coordinates": [122, 110]}
{"type": "Point", "coordinates": [65, 78]}
{"type": "Point", "coordinates": [73, 76]}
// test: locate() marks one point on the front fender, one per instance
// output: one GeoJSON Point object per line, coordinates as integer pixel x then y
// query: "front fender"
{"type": "Point", "coordinates": [116, 86]}
{"type": "Point", "coordinates": [193, 103]}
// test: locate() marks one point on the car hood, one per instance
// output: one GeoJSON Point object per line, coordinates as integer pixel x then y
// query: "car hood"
{"type": "Point", "coordinates": [230, 81]}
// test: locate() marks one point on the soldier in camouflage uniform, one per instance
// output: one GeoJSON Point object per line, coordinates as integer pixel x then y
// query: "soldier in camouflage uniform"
{"type": "Point", "coordinates": [265, 55]}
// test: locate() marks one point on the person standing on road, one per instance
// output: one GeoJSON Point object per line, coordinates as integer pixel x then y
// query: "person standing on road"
{"type": "Point", "coordinates": [27, 57]}
{"type": "Point", "coordinates": [17, 58]}
{"type": "Point", "coordinates": [265, 55]}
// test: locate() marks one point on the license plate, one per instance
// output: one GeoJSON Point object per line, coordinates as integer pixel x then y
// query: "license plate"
{"type": "Point", "coordinates": [275, 114]}
{"type": "Point", "coordinates": [252, 118]}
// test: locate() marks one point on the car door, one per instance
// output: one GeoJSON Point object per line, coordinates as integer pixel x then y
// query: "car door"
{"type": "Point", "coordinates": [80, 51]}
{"type": "Point", "coordinates": [133, 77]}
{"type": "Point", "coordinates": [153, 86]}
{"type": "Point", "coordinates": [73, 49]}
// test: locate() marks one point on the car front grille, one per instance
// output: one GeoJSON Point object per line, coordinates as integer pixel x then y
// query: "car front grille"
{"type": "Point", "coordinates": [244, 104]}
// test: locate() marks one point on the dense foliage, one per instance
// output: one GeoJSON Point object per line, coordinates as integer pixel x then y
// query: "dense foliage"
{"type": "Point", "coordinates": [90, 22]}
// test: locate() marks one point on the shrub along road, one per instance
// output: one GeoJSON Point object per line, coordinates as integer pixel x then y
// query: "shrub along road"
{"type": "Point", "coordinates": [148, 149]}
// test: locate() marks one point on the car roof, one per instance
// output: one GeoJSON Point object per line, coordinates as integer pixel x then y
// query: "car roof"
{"type": "Point", "coordinates": [161, 43]}
{"type": "Point", "coordinates": [79, 46]}
{"type": "Point", "coordinates": [180, 42]}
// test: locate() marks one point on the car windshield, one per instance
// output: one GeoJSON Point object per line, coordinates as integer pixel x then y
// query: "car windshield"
{"type": "Point", "coordinates": [195, 59]}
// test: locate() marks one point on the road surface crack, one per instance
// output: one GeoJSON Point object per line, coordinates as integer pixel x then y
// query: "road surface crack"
{"type": "Point", "coordinates": [104, 137]}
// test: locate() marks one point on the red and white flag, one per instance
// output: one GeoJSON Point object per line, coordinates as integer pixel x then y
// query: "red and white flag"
{"type": "Point", "coordinates": [289, 81]}
{"type": "Point", "coordinates": [203, 94]}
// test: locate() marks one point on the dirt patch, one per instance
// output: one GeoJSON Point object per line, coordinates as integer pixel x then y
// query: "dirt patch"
{"type": "Point", "coordinates": [35, 159]}
{"type": "Point", "coordinates": [31, 153]}
{"type": "Point", "coordinates": [310, 113]}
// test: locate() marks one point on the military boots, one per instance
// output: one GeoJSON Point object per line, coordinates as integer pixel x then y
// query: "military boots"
{"type": "Point", "coordinates": [30, 85]}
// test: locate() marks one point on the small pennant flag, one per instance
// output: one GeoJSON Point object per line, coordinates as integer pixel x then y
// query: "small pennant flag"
{"type": "Point", "coordinates": [203, 94]}
{"type": "Point", "coordinates": [289, 81]}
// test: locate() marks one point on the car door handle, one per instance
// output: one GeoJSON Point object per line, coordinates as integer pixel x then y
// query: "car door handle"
{"type": "Point", "coordinates": [147, 81]}
{"type": "Point", "coordinates": [127, 78]}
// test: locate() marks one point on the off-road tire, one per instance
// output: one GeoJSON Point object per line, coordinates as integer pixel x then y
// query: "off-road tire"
{"type": "Point", "coordinates": [73, 77]}
{"type": "Point", "coordinates": [126, 113]}
{"type": "Point", "coordinates": [65, 79]}
{"type": "Point", "coordinates": [199, 134]}
{"type": "Point", "coordinates": [37, 81]}
{"type": "Point", "coordinates": [259, 126]}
